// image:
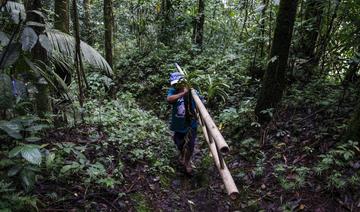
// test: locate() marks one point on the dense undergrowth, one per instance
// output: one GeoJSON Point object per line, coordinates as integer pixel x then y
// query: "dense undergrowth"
{"type": "Point", "coordinates": [298, 161]}
{"type": "Point", "coordinates": [117, 136]}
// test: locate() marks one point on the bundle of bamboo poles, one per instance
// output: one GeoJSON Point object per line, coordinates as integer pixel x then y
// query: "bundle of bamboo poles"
{"type": "Point", "coordinates": [216, 143]}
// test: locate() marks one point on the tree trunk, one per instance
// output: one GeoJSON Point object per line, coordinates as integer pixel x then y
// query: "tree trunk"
{"type": "Point", "coordinates": [353, 131]}
{"type": "Point", "coordinates": [310, 32]}
{"type": "Point", "coordinates": [273, 83]}
{"type": "Point", "coordinates": [42, 97]}
{"type": "Point", "coordinates": [326, 38]}
{"type": "Point", "coordinates": [108, 22]}
{"type": "Point", "coordinates": [262, 27]}
{"type": "Point", "coordinates": [198, 31]}
{"type": "Point", "coordinates": [61, 21]}
{"type": "Point", "coordinates": [165, 28]}
{"type": "Point", "coordinates": [246, 4]}
{"type": "Point", "coordinates": [87, 17]}
{"type": "Point", "coordinates": [78, 60]}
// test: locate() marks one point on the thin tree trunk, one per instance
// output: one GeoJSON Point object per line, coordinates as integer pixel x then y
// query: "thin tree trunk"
{"type": "Point", "coordinates": [262, 27]}
{"type": "Point", "coordinates": [78, 59]}
{"type": "Point", "coordinates": [108, 22]}
{"type": "Point", "coordinates": [165, 32]}
{"type": "Point", "coordinates": [245, 19]}
{"type": "Point", "coordinates": [42, 97]}
{"type": "Point", "coordinates": [198, 31]}
{"type": "Point", "coordinates": [310, 32]}
{"type": "Point", "coordinates": [87, 22]}
{"type": "Point", "coordinates": [320, 54]}
{"type": "Point", "coordinates": [61, 21]}
{"type": "Point", "coordinates": [273, 83]}
{"type": "Point", "coordinates": [270, 26]}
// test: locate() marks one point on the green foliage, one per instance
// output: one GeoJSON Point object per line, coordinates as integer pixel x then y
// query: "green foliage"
{"type": "Point", "coordinates": [332, 165]}
{"type": "Point", "coordinates": [25, 157]}
{"type": "Point", "coordinates": [236, 121]}
{"type": "Point", "coordinates": [136, 132]}
{"type": "Point", "coordinates": [11, 200]}
{"type": "Point", "coordinates": [291, 177]}
{"type": "Point", "coordinates": [6, 95]}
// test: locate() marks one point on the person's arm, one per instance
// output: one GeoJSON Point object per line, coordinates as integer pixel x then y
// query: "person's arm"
{"type": "Point", "coordinates": [174, 97]}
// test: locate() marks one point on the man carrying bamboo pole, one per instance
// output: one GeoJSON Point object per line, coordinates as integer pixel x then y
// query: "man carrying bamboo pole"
{"type": "Point", "coordinates": [183, 120]}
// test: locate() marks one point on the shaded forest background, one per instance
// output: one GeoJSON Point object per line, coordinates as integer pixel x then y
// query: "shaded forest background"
{"type": "Point", "coordinates": [81, 131]}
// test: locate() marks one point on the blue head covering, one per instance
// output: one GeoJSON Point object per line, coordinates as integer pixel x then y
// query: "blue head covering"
{"type": "Point", "coordinates": [175, 77]}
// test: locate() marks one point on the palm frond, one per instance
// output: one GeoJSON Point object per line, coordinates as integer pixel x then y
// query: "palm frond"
{"type": "Point", "coordinates": [44, 70]}
{"type": "Point", "coordinates": [65, 44]}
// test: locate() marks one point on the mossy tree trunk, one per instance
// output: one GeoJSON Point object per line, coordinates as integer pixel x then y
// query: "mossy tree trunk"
{"type": "Point", "coordinates": [198, 31]}
{"type": "Point", "coordinates": [42, 97]}
{"type": "Point", "coordinates": [108, 23]}
{"type": "Point", "coordinates": [273, 83]}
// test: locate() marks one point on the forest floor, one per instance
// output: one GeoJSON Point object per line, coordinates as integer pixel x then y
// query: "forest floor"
{"type": "Point", "coordinates": [295, 163]}
{"type": "Point", "coordinates": [204, 190]}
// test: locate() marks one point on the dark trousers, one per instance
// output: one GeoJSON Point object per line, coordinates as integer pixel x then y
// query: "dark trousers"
{"type": "Point", "coordinates": [179, 139]}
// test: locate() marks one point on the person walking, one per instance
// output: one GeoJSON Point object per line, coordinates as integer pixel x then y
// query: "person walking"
{"type": "Point", "coordinates": [183, 120]}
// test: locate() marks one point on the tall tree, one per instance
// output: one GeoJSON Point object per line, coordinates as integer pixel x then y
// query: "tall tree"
{"type": "Point", "coordinates": [262, 27]}
{"type": "Point", "coordinates": [78, 60]}
{"type": "Point", "coordinates": [42, 97]}
{"type": "Point", "coordinates": [310, 31]}
{"type": "Point", "coordinates": [87, 17]}
{"type": "Point", "coordinates": [61, 21]}
{"type": "Point", "coordinates": [108, 22]}
{"type": "Point", "coordinates": [273, 83]}
{"type": "Point", "coordinates": [165, 24]}
{"type": "Point", "coordinates": [198, 31]}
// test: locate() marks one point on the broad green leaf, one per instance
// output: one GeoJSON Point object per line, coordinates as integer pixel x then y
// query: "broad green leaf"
{"type": "Point", "coordinates": [37, 127]}
{"type": "Point", "coordinates": [4, 40]}
{"type": "Point", "coordinates": [12, 129]}
{"type": "Point", "coordinates": [15, 151]}
{"type": "Point", "coordinates": [45, 43]}
{"type": "Point", "coordinates": [28, 39]}
{"type": "Point", "coordinates": [14, 170]}
{"type": "Point", "coordinates": [66, 168]}
{"type": "Point", "coordinates": [11, 56]}
{"type": "Point", "coordinates": [32, 154]}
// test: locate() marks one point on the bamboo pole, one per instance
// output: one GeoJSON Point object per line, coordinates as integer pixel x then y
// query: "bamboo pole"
{"type": "Point", "coordinates": [214, 131]}
{"type": "Point", "coordinates": [215, 141]}
{"type": "Point", "coordinates": [225, 174]}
